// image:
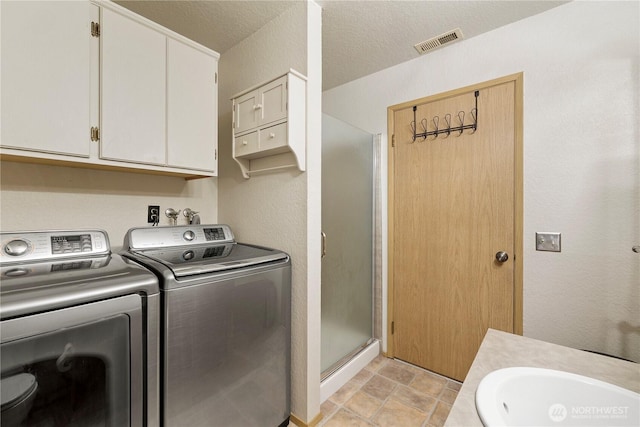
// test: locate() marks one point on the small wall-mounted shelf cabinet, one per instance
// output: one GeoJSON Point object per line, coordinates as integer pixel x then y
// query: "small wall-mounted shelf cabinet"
{"type": "Point", "coordinates": [269, 125]}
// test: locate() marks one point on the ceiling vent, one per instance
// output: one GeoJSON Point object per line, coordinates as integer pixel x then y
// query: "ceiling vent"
{"type": "Point", "coordinates": [439, 41]}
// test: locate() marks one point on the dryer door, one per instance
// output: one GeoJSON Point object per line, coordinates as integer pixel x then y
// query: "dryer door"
{"type": "Point", "coordinates": [78, 366]}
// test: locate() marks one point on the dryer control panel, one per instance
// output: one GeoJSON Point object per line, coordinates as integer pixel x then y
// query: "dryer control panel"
{"type": "Point", "coordinates": [182, 235]}
{"type": "Point", "coordinates": [30, 246]}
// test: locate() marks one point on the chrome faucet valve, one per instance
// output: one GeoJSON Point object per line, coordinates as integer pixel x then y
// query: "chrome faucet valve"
{"type": "Point", "coordinates": [189, 214]}
{"type": "Point", "coordinates": [172, 214]}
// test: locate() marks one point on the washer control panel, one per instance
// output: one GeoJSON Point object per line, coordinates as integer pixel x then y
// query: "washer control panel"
{"type": "Point", "coordinates": [182, 235]}
{"type": "Point", "coordinates": [44, 245]}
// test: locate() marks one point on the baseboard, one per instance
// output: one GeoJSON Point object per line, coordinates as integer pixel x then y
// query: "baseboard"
{"type": "Point", "coordinates": [314, 422]}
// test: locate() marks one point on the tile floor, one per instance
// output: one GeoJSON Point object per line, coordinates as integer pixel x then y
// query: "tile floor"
{"type": "Point", "coordinates": [388, 393]}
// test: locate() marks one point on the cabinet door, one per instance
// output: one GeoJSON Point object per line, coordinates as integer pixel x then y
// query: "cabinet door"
{"type": "Point", "coordinates": [192, 99]}
{"type": "Point", "coordinates": [246, 112]}
{"type": "Point", "coordinates": [273, 101]}
{"type": "Point", "coordinates": [133, 94]}
{"type": "Point", "coordinates": [45, 79]}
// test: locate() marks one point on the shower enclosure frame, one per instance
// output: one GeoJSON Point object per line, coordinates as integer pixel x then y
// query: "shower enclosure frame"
{"type": "Point", "coordinates": [375, 258]}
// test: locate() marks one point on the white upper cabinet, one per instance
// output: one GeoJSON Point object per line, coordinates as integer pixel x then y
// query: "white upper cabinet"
{"type": "Point", "coordinates": [192, 107]}
{"type": "Point", "coordinates": [45, 95]}
{"type": "Point", "coordinates": [133, 101]}
{"type": "Point", "coordinates": [131, 95]}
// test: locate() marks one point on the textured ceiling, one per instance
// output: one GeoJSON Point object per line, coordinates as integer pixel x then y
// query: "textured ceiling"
{"type": "Point", "coordinates": [219, 25]}
{"type": "Point", "coordinates": [359, 37]}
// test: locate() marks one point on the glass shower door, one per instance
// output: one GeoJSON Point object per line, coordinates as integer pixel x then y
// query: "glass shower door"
{"type": "Point", "coordinates": [347, 223]}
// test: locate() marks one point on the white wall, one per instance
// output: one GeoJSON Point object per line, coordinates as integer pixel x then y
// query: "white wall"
{"type": "Point", "coordinates": [279, 209]}
{"type": "Point", "coordinates": [40, 197]}
{"type": "Point", "coordinates": [581, 157]}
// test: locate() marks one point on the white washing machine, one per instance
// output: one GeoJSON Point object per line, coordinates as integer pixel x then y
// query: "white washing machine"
{"type": "Point", "coordinates": [79, 335]}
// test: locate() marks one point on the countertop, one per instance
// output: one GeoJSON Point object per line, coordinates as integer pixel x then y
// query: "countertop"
{"type": "Point", "coordinates": [503, 350]}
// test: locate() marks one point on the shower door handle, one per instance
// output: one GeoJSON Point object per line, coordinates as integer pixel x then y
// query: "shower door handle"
{"type": "Point", "coordinates": [324, 244]}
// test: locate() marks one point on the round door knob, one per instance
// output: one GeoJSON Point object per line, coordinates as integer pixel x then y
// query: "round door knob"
{"type": "Point", "coordinates": [502, 256]}
{"type": "Point", "coordinates": [636, 249]}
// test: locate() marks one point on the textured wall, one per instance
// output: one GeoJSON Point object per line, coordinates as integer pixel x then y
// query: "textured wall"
{"type": "Point", "coordinates": [36, 197]}
{"type": "Point", "coordinates": [272, 209]}
{"type": "Point", "coordinates": [581, 157]}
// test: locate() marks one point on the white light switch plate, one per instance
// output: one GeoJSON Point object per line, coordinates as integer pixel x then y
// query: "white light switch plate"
{"type": "Point", "coordinates": [548, 242]}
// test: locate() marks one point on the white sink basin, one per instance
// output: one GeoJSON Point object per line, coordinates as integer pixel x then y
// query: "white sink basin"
{"type": "Point", "coordinates": [543, 397]}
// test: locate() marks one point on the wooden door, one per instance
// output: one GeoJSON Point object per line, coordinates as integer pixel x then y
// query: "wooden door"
{"type": "Point", "coordinates": [454, 204]}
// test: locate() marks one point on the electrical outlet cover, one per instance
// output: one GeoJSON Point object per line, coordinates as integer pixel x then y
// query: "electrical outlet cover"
{"type": "Point", "coordinates": [549, 242]}
{"type": "Point", "coordinates": [153, 214]}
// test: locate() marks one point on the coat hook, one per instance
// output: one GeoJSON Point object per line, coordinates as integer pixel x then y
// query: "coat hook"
{"type": "Point", "coordinates": [425, 126]}
{"type": "Point", "coordinates": [474, 115]}
{"type": "Point", "coordinates": [436, 120]}
{"type": "Point", "coordinates": [447, 119]}
{"type": "Point", "coordinates": [461, 118]}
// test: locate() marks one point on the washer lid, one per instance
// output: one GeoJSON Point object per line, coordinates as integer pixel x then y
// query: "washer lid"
{"type": "Point", "coordinates": [191, 260]}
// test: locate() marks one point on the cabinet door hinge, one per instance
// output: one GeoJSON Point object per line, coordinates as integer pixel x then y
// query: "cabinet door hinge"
{"type": "Point", "coordinates": [393, 329]}
{"type": "Point", "coordinates": [95, 134]}
{"type": "Point", "coordinates": [215, 154]}
{"type": "Point", "coordinates": [393, 140]}
{"type": "Point", "coordinates": [95, 29]}
{"type": "Point", "coordinates": [216, 78]}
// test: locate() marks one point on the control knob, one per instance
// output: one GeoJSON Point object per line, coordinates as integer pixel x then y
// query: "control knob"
{"type": "Point", "coordinates": [17, 247]}
{"type": "Point", "coordinates": [189, 235]}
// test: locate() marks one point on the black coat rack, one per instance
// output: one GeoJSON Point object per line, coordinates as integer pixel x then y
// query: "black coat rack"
{"type": "Point", "coordinates": [447, 118]}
